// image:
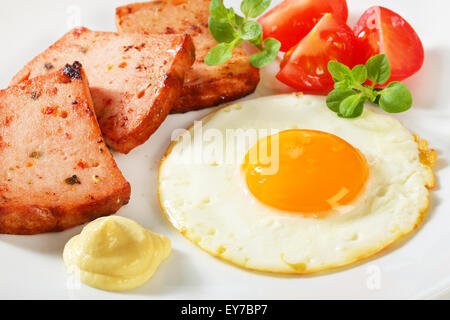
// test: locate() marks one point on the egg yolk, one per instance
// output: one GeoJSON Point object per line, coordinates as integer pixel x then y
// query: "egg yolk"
{"type": "Point", "coordinates": [305, 171]}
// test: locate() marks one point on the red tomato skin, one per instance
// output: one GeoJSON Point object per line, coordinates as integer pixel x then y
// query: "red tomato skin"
{"type": "Point", "coordinates": [380, 30]}
{"type": "Point", "coordinates": [291, 20]}
{"type": "Point", "coordinates": [305, 66]}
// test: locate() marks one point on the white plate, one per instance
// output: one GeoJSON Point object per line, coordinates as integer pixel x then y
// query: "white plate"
{"type": "Point", "coordinates": [31, 267]}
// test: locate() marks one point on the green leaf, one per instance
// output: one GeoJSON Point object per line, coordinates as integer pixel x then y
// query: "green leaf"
{"type": "Point", "coordinates": [341, 85]}
{"type": "Point", "coordinates": [344, 84]}
{"type": "Point", "coordinates": [339, 71]}
{"type": "Point", "coordinates": [395, 98]}
{"type": "Point", "coordinates": [231, 15]}
{"type": "Point", "coordinates": [257, 41]}
{"type": "Point", "coordinates": [352, 106]}
{"type": "Point", "coordinates": [221, 31]}
{"type": "Point", "coordinates": [270, 52]}
{"type": "Point", "coordinates": [254, 8]}
{"type": "Point", "coordinates": [359, 73]}
{"type": "Point", "coordinates": [250, 30]}
{"type": "Point", "coordinates": [378, 69]}
{"type": "Point", "coordinates": [219, 54]}
{"type": "Point", "coordinates": [350, 93]}
{"type": "Point", "coordinates": [335, 98]}
{"type": "Point", "coordinates": [238, 20]}
{"type": "Point", "coordinates": [218, 11]}
{"type": "Point", "coordinates": [376, 98]}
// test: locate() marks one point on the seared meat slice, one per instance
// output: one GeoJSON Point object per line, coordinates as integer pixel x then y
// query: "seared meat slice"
{"type": "Point", "coordinates": [135, 79]}
{"type": "Point", "coordinates": [205, 85]}
{"type": "Point", "coordinates": [56, 172]}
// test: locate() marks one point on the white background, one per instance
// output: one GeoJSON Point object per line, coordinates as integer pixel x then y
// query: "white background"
{"type": "Point", "coordinates": [32, 267]}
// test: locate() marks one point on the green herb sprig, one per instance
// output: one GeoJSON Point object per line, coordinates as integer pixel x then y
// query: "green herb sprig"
{"type": "Point", "coordinates": [351, 92]}
{"type": "Point", "coordinates": [230, 30]}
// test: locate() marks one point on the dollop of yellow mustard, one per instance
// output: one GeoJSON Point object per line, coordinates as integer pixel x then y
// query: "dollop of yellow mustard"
{"type": "Point", "coordinates": [115, 254]}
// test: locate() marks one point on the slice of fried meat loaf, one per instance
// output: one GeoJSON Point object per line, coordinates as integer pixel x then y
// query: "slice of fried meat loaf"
{"type": "Point", "coordinates": [205, 85]}
{"type": "Point", "coordinates": [56, 172]}
{"type": "Point", "coordinates": [135, 79]}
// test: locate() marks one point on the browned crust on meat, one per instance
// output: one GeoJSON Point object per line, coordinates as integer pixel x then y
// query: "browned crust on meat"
{"type": "Point", "coordinates": [129, 9]}
{"type": "Point", "coordinates": [29, 220]}
{"type": "Point", "coordinates": [216, 91]}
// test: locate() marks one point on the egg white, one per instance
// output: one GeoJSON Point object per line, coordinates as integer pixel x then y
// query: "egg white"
{"type": "Point", "coordinates": [208, 201]}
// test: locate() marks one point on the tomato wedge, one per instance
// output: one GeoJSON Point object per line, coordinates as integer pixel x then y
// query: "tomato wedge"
{"type": "Point", "coordinates": [291, 20]}
{"type": "Point", "coordinates": [381, 30]}
{"type": "Point", "coordinates": [305, 66]}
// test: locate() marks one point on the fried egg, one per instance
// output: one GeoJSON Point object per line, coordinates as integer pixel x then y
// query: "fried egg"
{"type": "Point", "coordinates": [281, 184]}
